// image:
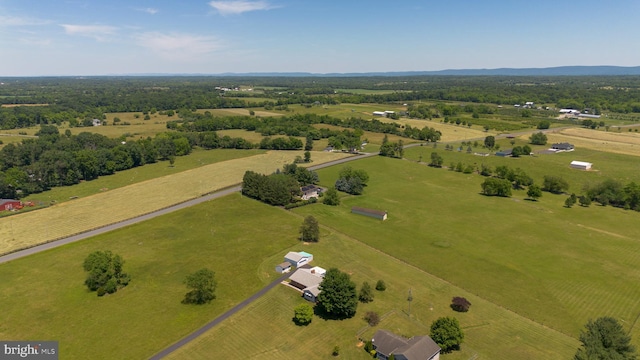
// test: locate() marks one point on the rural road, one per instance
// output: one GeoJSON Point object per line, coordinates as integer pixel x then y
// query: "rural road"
{"type": "Point", "coordinates": [219, 319]}
{"type": "Point", "coordinates": [151, 215]}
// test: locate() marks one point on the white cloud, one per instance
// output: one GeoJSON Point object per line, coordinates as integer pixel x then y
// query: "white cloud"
{"type": "Point", "coordinates": [21, 21]}
{"type": "Point", "coordinates": [151, 11]}
{"type": "Point", "coordinates": [178, 46]}
{"type": "Point", "coordinates": [239, 6]}
{"type": "Point", "coordinates": [98, 32]}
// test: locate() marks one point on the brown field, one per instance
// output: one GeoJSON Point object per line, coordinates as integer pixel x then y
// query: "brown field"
{"type": "Point", "coordinates": [238, 112]}
{"type": "Point", "coordinates": [449, 132]}
{"type": "Point", "coordinates": [623, 142]}
{"type": "Point", "coordinates": [72, 217]}
{"type": "Point", "coordinates": [252, 136]}
{"type": "Point", "coordinates": [16, 105]}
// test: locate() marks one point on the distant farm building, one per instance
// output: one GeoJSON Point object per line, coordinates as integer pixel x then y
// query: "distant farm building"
{"type": "Point", "coordinates": [96, 122]}
{"type": "Point", "coordinates": [589, 116]}
{"type": "Point", "coordinates": [9, 204]}
{"type": "Point", "coordinates": [569, 112]}
{"type": "Point", "coordinates": [379, 113]}
{"type": "Point", "coordinates": [504, 153]}
{"type": "Point", "coordinates": [581, 165]}
{"type": "Point", "coordinates": [382, 215]}
{"type": "Point", "coordinates": [562, 147]}
{"type": "Point", "coordinates": [283, 268]}
{"type": "Point", "coordinates": [417, 348]}
{"type": "Point", "coordinates": [298, 259]}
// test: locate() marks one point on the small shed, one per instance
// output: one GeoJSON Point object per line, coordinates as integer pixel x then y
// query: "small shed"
{"type": "Point", "coordinates": [283, 268]}
{"type": "Point", "coordinates": [298, 259]}
{"type": "Point", "coordinates": [581, 165]}
{"type": "Point", "coordinates": [10, 204]}
{"type": "Point", "coordinates": [378, 214]}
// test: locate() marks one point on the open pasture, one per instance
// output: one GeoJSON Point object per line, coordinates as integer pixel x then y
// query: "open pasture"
{"type": "Point", "coordinates": [556, 266]}
{"type": "Point", "coordinates": [43, 296]}
{"type": "Point", "coordinates": [72, 217]}
{"type": "Point", "coordinates": [491, 331]}
{"type": "Point", "coordinates": [449, 132]}
{"type": "Point", "coordinates": [239, 112]}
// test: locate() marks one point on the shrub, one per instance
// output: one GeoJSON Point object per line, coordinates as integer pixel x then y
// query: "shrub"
{"type": "Point", "coordinates": [368, 346]}
{"type": "Point", "coordinates": [460, 304]}
{"type": "Point", "coordinates": [303, 314]}
{"type": "Point", "coordinates": [372, 318]}
{"type": "Point", "coordinates": [381, 286]}
{"type": "Point", "coordinates": [336, 350]}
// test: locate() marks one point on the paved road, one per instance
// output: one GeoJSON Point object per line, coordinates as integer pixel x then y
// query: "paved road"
{"type": "Point", "coordinates": [219, 319]}
{"type": "Point", "coordinates": [110, 227]}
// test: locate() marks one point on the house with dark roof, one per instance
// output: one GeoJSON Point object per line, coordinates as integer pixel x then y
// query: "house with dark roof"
{"type": "Point", "coordinates": [562, 147]}
{"type": "Point", "coordinates": [505, 152]}
{"type": "Point", "coordinates": [417, 348]}
{"type": "Point", "coordinates": [378, 214]}
{"type": "Point", "coordinates": [310, 191]}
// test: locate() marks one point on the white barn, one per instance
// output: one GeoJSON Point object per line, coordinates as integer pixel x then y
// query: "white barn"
{"type": "Point", "coordinates": [581, 165]}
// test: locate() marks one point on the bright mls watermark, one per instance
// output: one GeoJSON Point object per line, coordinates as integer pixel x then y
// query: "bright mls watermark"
{"type": "Point", "coordinates": [40, 350]}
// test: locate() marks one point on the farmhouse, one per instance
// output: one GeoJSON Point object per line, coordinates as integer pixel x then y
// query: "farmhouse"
{"type": "Point", "coordinates": [9, 204]}
{"type": "Point", "coordinates": [505, 152]}
{"type": "Point", "coordinates": [417, 348]}
{"type": "Point", "coordinates": [308, 280]}
{"type": "Point", "coordinates": [562, 147]}
{"type": "Point", "coordinates": [283, 268]}
{"type": "Point", "coordinates": [96, 122]}
{"type": "Point", "coordinates": [581, 165]}
{"type": "Point", "coordinates": [298, 259]}
{"type": "Point", "coordinates": [310, 191]}
{"type": "Point", "coordinates": [382, 215]}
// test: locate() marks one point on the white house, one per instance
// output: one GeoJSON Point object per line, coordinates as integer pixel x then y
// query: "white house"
{"type": "Point", "coordinates": [298, 259]}
{"type": "Point", "coordinates": [581, 165]}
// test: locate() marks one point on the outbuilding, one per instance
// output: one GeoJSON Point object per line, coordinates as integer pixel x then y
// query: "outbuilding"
{"type": "Point", "coordinates": [10, 204]}
{"type": "Point", "coordinates": [581, 165]}
{"type": "Point", "coordinates": [562, 147]}
{"type": "Point", "coordinates": [298, 259]}
{"type": "Point", "coordinates": [283, 268]}
{"type": "Point", "coordinates": [378, 214]}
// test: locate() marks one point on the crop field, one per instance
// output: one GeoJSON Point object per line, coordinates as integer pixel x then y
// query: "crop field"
{"type": "Point", "coordinates": [265, 329]}
{"type": "Point", "coordinates": [556, 266]}
{"type": "Point", "coordinates": [622, 142]}
{"type": "Point", "coordinates": [72, 217]}
{"type": "Point", "coordinates": [43, 295]}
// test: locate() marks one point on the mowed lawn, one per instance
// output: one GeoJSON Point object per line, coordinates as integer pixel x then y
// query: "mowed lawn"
{"type": "Point", "coordinates": [111, 206]}
{"type": "Point", "coordinates": [556, 266]}
{"type": "Point", "coordinates": [265, 329]}
{"type": "Point", "coordinates": [43, 296]}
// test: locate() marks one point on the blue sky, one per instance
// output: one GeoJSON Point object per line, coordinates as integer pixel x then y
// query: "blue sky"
{"type": "Point", "coordinates": [105, 37]}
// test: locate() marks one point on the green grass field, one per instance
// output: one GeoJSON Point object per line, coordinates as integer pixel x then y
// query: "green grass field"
{"type": "Point", "coordinates": [43, 297]}
{"type": "Point", "coordinates": [556, 266]}
{"type": "Point", "coordinates": [161, 252]}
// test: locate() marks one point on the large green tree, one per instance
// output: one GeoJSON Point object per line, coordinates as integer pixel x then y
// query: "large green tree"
{"type": "Point", "coordinates": [605, 339]}
{"type": "Point", "coordinates": [105, 272]}
{"type": "Point", "coordinates": [496, 187]}
{"type": "Point", "coordinates": [489, 142]}
{"type": "Point", "coordinates": [310, 230]}
{"type": "Point", "coordinates": [338, 298]}
{"type": "Point", "coordinates": [303, 314]}
{"type": "Point", "coordinates": [203, 287]}
{"type": "Point", "coordinates": [538, 138]}
{"type": "Point", "coordinates": [446, 332]}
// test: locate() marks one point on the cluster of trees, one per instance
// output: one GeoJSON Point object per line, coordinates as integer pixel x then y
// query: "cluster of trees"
{"type": "Point", "coordinates": [105, 273]}
{"type": "Point", "coordinates": [392, 149]}
{"type": "Point", "coordinates": [54, 160]}
{"type": "Point", "coordinates": [352, 181]}
{"type": "Point", "coordinates": [279, 188]}
{"type": "Point", "coordinates": [614, 193]}
{"type": "Point", "coordinates": [538, 138]}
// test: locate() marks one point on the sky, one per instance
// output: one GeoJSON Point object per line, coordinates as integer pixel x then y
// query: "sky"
{"type": "Point", "coordinates": [116, 37]}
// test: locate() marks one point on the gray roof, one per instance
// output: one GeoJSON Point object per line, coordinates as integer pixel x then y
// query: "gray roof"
{"type": "Point", "coordinates": [314, 290]}
{"type": "Point", "coordinates": [306, 278]}
{"type": "Point", "coordinates": [292, 255]}
{"type": "Point", "coordinates": [285, 265]}
{"type": "Point", "coordinates": [416, 348]}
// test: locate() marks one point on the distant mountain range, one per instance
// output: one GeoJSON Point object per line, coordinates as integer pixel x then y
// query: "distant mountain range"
{"type": "Point", "coordinates": [550, 71]}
